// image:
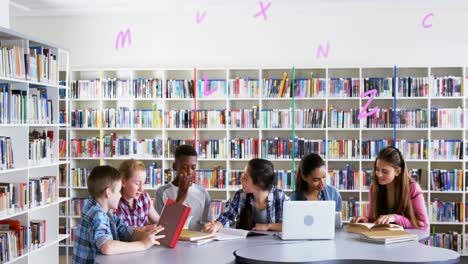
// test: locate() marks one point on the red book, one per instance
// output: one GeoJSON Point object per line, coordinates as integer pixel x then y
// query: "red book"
{"type": "Point", "coordinates": [173, 218]}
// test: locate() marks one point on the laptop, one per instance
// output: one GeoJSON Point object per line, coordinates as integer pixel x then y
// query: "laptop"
{"type": "Point", "coordinates": [308, 220]}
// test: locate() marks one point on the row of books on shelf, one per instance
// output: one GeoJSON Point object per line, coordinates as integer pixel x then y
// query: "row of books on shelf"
{"type": "Point", "coordinates": [451, 240]}
{"type": "Point", "coordinates": [273, 148]}
{"type": "Point", "coordinates": [123, 117]}
{"type": "Point", "coordinates": [271, 87]}
{"type": "Point", "coordinates": [17, 239]}
{"type": "Point", "coordinates": [6, 153]}
{"type": "Point", "coordinates": [23, 195]}
{"type": "Point", "coordinates": [40, 146]}
{"type": "Point", "coordinates": [448, 211]}
{"type": "Point", "coordinates": [19, 107]}
{"type": "Point", "coordinates": [401, 118]}
{"type": "Point", "coordinates": [35, 63]}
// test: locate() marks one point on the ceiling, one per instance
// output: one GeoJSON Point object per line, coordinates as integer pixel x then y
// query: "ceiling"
{"type": "Point", "coordinates": [83, 7]}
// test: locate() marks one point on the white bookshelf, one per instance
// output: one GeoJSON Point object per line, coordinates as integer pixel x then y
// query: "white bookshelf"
{"type": "Point", "coordinates": [25, 170]}
{"type": "Point", "coordinates": [228, 163]}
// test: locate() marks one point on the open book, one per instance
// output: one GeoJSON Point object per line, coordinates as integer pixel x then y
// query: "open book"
{"type": "Point", "coordinates": [387, 236]}
{"type": "Point", "coordinates": [362, 227]}
{"type": "Point", "coordinates": [231, 233]}
{"type": "Point", "coordinates": [189, 235]}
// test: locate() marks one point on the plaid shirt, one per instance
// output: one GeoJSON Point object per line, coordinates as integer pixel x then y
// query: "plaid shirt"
{"type": "Point", "coordinates": [138, 216]}
{"type": "Point", "coordinates": [95, 228]}
{"type": "Point", "coordinates": [276, 197]}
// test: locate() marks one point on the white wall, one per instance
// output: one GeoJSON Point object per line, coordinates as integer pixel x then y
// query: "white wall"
{"type": "Point", "coordinates": [5, 13]}
{"type": "Point", "coordinates": [232, 37]}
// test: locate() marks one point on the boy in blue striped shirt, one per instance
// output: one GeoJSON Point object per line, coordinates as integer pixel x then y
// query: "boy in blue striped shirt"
{"type": "Point", "coordinates": [101, 231]}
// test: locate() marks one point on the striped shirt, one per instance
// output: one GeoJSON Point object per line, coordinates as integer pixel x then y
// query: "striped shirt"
{"type": "Point", "coordinates": [139, 215]}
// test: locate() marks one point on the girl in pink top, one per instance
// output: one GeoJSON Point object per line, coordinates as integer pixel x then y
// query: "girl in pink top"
{"type": "Point", "coordinates": [393, 196]}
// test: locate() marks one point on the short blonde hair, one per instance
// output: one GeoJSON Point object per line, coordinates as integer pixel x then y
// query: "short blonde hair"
{"type": "Point", "coordinates": [129, 166]}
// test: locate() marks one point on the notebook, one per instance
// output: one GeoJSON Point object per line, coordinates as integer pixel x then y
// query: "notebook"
{"type": "Point", "coordinates": [231, 233]}
{"type": "Point", "coordinates": [173, 217]}
{"type": "Point", "coordinates": [362, 227]}
{"type": "Point", "coordinates": [189, 235]}
{"type": "Point", "coordinates": [387, 236]}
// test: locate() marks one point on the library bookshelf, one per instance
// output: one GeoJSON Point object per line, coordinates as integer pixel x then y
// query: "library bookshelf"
{"type": "Point", "coordinates": [226, 92]}
{"type": "Point", "coordinates": [29, 130]}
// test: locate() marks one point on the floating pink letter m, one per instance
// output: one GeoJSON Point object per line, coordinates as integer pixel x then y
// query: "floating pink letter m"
{"type": "Point", "coordinates": [122, 37]}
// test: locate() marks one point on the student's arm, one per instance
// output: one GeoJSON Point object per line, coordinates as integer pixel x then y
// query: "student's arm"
{"type": "Point", "coordinates": [268, 227]}
{"type": "Point", "coordinates": [228, 216]}
{"type": "Point", "coordinates": [419, 208]}
{"type": "Point", "coordinates": [207, 208]}
{"type": "Point", "coordinates": [153, 215]}
{"type": "Point", "coordinates": [111, 247]}
{"type": "Point", "coordinates": [159, 200]}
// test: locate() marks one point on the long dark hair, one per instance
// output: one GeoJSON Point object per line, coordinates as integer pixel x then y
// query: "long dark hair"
{"type": "Point", "coordinates": [263, 175]}
{"type": "Point", "coordinates": [308, 163]}
{"type": "Point", "coordinates": [402, 182]}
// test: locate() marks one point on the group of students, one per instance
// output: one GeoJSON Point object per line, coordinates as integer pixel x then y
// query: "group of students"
{"type": "Point", "coordinates": [120, 216]}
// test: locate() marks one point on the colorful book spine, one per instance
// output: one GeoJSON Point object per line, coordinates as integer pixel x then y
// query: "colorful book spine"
{"type": "Point", "coordinates": [39, 106]}
{"type": "Point", "coordinates": [150, 147]}
{"type": "Point", "coordinates": [211, 179]}
{"type": "Point", "coordinates": [447, 180]}
{"type": "Point", "coordinates": [86, 89]}
{"type": "Point", "coordinates": [447, 118]}
{"type": "Point", "coordinates": [154, 176]}
{"type": "Point", "coordinates": [116, 89]}
{"type": "Point", "coordinates": [448, 86]}
{"type": "Point", "coordinates": [413, 149]}
{"type": "Point", "coordinates": [244, 118]}
{"type": "Point", "coordinates": [217, 207]}
{"type": "Point", "coordinates": [40, 146]}
{"type": "Point", "coordinates": [210, 118]}
{"type": "Point", "coordinates": [172, 144]}
{"type": "Point", "coordinates": [284, 179]}
{"type": "Point", "coordinates": [346, 179]}
{"type": "Point", "coordinates": [77, 205]}
{"type": "Point", "coordinates": [344, 87]}
{"type": "Point", "coordinates": [148, 118]}
{"type": "Point", "coordinates": [344, 118]}
{"type": "Point", "coordinates": [449, 212]}
{"type": "Point", "coordinates": [277, 88]}
{"type": "Point", "coordinates": [370, 148]}
{"type": "Point", "coordinates": [147, 88]}
{"type": "Point", "coordinates": [179, 118]}
{"type": "Point", "coordinates": [6, 153]}
{"type": "Point", "coordinates": [13, 104]}
{"type": "Point", "coordinates": [247, 148]}
{"type": "Point", "coordinates": [213, 89]}
{"type": "Point", "coordinates": [243, 88]}
{"type": "Point", "coordinates": [85, 147]}
{"type": "Point", "coordinates": [448, 149]}
{"type": "Point", "coordinates": [352, 208]}
{"type": "Point", "coordinates": [116, 147]}
{"type": "Point", "coordinates": [211, 149]}
{"type": "Point", "coordinates": [310, 87]}
{"type": "Point", "coordinates": [451, 240]}
{"type": "Point", "coordinates": [179, 89]}
{"type": "Point", "coordinates": [343, 149]}
{"type": "Point", "coordinates": [303, 118]}
{"type": "Point", "coordinates": [79, 177]}
{"type": "Point", "coordinates": [384, 86]}
{"type": "Point", "coordinates": [413, 86]}
{"type": "Point", "coordinates": [304, 146]}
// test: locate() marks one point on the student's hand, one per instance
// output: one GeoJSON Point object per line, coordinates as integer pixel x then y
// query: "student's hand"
{"type": "Point", "coordinates": [152, 238]}
{"type": "Point", "coordinates": [359, 219]}
{"type": "Point", "coordinates": [385, 219]}
{"type": "Point", "coordinates": [261, 227]}
{"type": "Point", "coordinates": [151, 228]}
{"type": "Point", "coordinates": [212, 227]}
{"type": "Point", "coordinates": [183, 184]}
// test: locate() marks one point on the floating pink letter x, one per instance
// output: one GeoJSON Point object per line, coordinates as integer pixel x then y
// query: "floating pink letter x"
{"type": "Point", "coordinates": [264, 8]}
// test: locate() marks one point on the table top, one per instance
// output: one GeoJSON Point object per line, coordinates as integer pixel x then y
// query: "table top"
{"type": "Point", "coordinates": [345, 248]}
